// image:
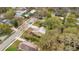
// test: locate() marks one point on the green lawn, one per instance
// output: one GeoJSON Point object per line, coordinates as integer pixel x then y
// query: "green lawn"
{"type": "Point", "coordinates": [14, 46]}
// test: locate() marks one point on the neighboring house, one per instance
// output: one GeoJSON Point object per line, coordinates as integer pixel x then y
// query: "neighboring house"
{"type": "Point", "coordinates": [30, 13]}
{"type": "Point", "coordinates": [5, 21]}
{"type": "Point", "coordinates": [27, 46]}
{"type": "Point", "coordinates": [39, 31]}
{"type": "Point", "coordinates": [20, 12]}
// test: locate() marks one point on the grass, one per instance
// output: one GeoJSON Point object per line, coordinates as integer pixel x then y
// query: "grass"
{"type": "Point", "coordinates": [14, 46]}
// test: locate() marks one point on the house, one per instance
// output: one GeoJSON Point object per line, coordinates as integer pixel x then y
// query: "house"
{"type": "Point", "coordinates": [27, 46]}
{"type": "Point", "coordinates": [5, 21]}
{"type": "Point", "coordinates": [30, 13]}
{"type": "Point", "coordinates": [39, 31]}
{"type": "Point", "coordinates": [20, 12]}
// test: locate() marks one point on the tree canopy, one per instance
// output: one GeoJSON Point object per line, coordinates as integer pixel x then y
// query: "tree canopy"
{"type": "Point", "coordinates": [10, 14]}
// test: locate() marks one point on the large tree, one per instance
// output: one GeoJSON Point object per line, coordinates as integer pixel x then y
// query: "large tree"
{"type": "Point", "coordinates": [5, 29]}
{"type": "Point", "coordinates": [3, 9]}
{"type": "Point", "coordinates": [54, 41]}
{"type": "Point", "coordinates": [10, 14]}
{"type": "Point", "coordinates": [52, 23]}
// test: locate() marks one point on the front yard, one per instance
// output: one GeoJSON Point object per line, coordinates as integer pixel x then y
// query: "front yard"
{"type": "Point", "coordinates": [14, 46]}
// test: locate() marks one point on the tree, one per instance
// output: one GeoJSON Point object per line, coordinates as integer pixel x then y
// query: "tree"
{"type": "Point", "coordinates": [15, 23]}
{"type": "Point", "coordinates": [52, 23]}
{"type": "Point", "coordinates": [5, 29]}
{"type": "Point", "coordinates": [50, 41]}
{"type": "Point", "coordinates": [54, 41]}
{"type": "Point", "coordinates": [73, 30]}
{"type": "Point", "coordinates": [71, 20]}
{"type": "Point", "coordinates": [3, 9]}
{"type": "Point", "coordinates": [10, 14]}
{"type": "Point", "coordinates": [44, 12]}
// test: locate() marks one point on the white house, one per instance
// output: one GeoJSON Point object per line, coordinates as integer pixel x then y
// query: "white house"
{"type": "Point", "coordinates": [39, 31]}
{"type": "Point", "coordinates": [32, 11]}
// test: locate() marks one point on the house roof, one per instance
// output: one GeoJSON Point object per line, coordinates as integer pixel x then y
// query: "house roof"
{"type": "Point", "coordinates": [38, 29]}
{"type": "Point", "coordinates": [26, 45]}
{"type": "Point", "coordinates": [5, 21]}
{"type": "Point", "coordinates": [32, 11]}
